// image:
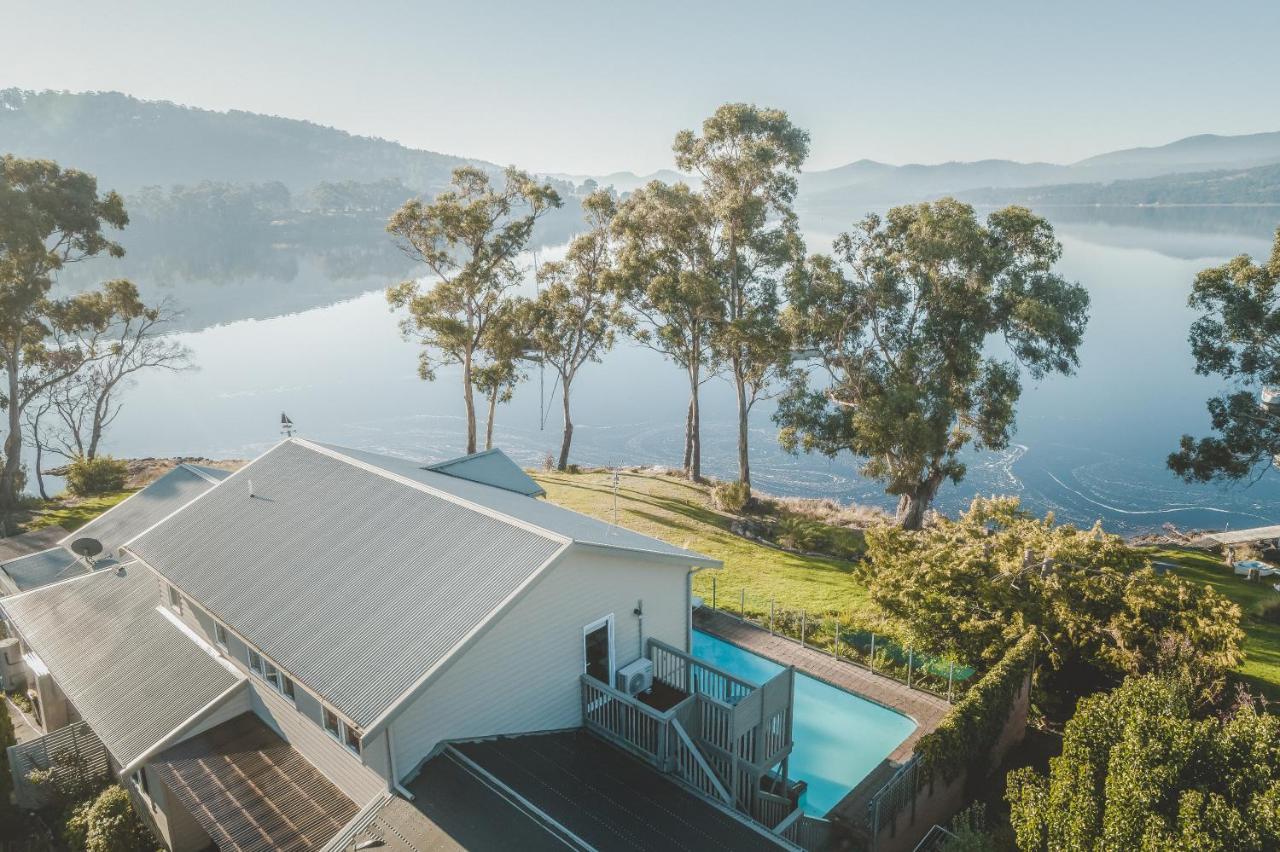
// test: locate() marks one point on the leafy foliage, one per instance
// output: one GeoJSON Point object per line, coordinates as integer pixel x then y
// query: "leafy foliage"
{"type": "Point", "coordinates": [981, 581]}
{"type": "Point", "coordinates": [87, 477]}
{"type": "Point", "coordinates": [108, 824]}
{"type": "Point", "coordinates": [731, 497]}
{"type": "Point", "coordinates": [469, 238]}
{"type": "Point", "coordinates": [966, 735]}
{"type": "Point", "coordinates": [1237, 336]}
{"type": "Point", "coordinates": [903, 332]}
{"type": "Point", "coordinates": [1140, 770]}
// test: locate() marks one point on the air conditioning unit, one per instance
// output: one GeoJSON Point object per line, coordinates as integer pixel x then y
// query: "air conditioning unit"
{"type": "Point", "coordinates": [637, 677]}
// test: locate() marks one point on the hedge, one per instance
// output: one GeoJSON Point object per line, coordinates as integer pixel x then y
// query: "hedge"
{"type": "Point", "coordinates": [964, 739]}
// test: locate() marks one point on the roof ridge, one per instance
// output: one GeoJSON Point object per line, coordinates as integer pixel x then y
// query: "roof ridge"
{"type": "Point", "coordinates": [428, 489]}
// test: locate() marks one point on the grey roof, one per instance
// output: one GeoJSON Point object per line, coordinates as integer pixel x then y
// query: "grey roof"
{"type": "Point", "coordinates": [354, 582]}
{"type": "Point", "coordinates": [157, 501]}
{"type": "Point", "coordinates": [132, 674]}
{"type": "Point", "coordinates": [40, 569]}
{"type": "Point", "coordinates": [490, 467]}
{"type": "Point", "coordinates": [556, 520]}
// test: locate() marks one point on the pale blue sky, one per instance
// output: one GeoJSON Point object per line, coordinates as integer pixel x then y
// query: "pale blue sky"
{"type": "Point", "coordinates": [597, 86]}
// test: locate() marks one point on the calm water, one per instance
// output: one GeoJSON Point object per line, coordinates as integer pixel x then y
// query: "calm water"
{"type": "Point", "coordinates": [839, 737]}
{"type": "Point", "coordinates": [274, 329]}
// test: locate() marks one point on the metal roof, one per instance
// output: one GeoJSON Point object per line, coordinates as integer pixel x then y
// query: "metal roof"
{"type": "Point", "coordinates": [490, 467]}
{"type": "Point", "coordinates": [40, 569]}
{"type": "Point", "coordinates": [556, 520]}
{"type": "Point", "coordinates": [157, 501]}
{"type": "Point", "coordinates": [132, 674]}
{"type": "Point", "coordinates": [352, 581]}
{"type": "Point", "coordinates": [251, 791]}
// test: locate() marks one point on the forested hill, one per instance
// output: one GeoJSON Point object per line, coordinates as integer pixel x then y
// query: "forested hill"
{"type": "Point", "coordinates": [130, 143]}
{"type": "Point", "coordinates": [1256, 185]}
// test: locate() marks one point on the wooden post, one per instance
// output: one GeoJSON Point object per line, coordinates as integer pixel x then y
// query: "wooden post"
{"type": "Point", "coordinates": [835, 648]}
{"type": "Point", "coordinates": [873, 652]}
{"type": "Point", "coordinates": [951, 671]}
{"type": "Point", "coordinates": [771, 603]}
{"type": "Point", "coordinates": [803, 615]}
{"type": "Point", "coordinates": [911, 664]}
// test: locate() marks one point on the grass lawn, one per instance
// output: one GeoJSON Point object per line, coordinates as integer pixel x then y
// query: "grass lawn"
{"type": "Point", "coordinates": [1261, 668]}
{"type": "Point", "coordinates": [70, 512]}
{"type": "Point", "coordinates": [681, 513]}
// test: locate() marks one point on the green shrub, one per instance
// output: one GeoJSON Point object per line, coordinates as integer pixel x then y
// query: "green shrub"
{"type": "Point", "coordinates": [107, 824]}
{"type": "Point", "coordinates": [100, 475]}
{"type": "Point", "coordinates": [731, 497]}
{"type": "Point", "coordinates": [802, 534]}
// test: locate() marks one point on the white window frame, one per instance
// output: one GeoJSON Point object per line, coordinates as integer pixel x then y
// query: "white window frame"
{"type": "Point", "coordinates": [591, 628]}
{"type": "Point", "coordinates": [139, 778]}
{"type": "Point", "coordinates": [220, 636]}
{"type": "Point", "coordinates": [324, 724]}
{"type": "Point", "coordinates": [249, 657]}
{"type": "Point", "coordinates": [175, 599]}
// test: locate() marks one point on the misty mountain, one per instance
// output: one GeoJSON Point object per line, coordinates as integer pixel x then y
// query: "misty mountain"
{"type": "Point", "coordinates": [627, 181]}
{"type": "Point", "coordinates": [130, 143]}
{"type": "Point", "coordinates": [852, 188]}
{"type": "Point", "coordinates": [1254, 185]}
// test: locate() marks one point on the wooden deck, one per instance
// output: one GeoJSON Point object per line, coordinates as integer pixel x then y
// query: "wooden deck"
{"type": "Point", "coordinates": [251, 791]}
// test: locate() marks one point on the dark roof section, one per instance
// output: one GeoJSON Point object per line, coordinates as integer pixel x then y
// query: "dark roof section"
{"type": "Point", "coordinates": [609, 799]}
{"type": "Point", "coordinates": [24, 544]}
{"type": "Point", "coordinates": [251, 791]}
{"type": "Point", "coordinates": [490, 467]}
{"type": "Point", "coordinates": [135, 514]}
{"type": "Point", "coordinates": [454, 808]}
{"type": "Point", "coordinates": [40, 569]}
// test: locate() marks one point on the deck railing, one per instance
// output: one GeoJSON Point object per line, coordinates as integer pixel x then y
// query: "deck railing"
{"type": "Point", "coordinates": [621, 718]}
{"type": "Point", "coordinates": [897, 793]}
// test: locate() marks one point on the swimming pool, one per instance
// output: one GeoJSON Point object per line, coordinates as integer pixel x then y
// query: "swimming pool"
{"type": "Point", "coordinates": [839, 737]}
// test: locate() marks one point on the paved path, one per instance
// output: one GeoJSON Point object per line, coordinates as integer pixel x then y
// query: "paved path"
{"type": "Point", "coordinates": [925, 708]}
{"type": "Point", "coordinates": [23, 729]}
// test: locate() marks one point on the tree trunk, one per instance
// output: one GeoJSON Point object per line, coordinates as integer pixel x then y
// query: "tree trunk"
{"type": "Point", "coordinates": [688, 437]}
{"type": "Point", "coordinates": [695, 429]}
{"type": "Point", "coordinates": [563, 464]}
{"type": "Point", "coordinates": [468, 397]}
{"type": "Point", "coordinates": [488, 429]}
{"type": "Point", "coordinates": [913, 504]}
{"type": "Point", "coordinates": [13, 440]}
{"type": "Point", "coordinates": [744, 458]}
{"type": "Point", "coordinates": [39, 471]}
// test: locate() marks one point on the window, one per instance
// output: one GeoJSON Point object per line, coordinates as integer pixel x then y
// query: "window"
{"type": "Point", "coordinates": [255, 661]}
{"type": "Point", "coordinates": [272, 674]}
{"type": "Point", "coordinates": [140, 781]}
{"type": "Point", "coordinates": [332, 724]}
{"type": "Point", "coordinates": [175, 600]}
{"type": "Point", "coordinates": [351, 737]}
{"type": "Point", "coordinates": [220, 635]}
{"type": "Point", "coordinates": [286, 686]}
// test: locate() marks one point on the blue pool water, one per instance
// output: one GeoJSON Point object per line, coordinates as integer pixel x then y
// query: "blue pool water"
{"type": "Point", "coordinates": [839, 737]}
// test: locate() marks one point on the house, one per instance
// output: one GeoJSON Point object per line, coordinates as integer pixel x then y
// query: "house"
{"type": "Point", "coordinates": [331, 648]}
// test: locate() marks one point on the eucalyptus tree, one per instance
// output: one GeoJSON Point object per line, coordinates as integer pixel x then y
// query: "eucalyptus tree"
{"type": "Point", "coordinates": [579, 311]}
{"type": "Point", "coordinates": [666, 253]}
{"type": "Point", "coordinates": [49, 217]}
{"type": "Point", "coordinates": [748, 158]}
{"type": "Point", "coordinates": [1237, 337]}
{"type": "Point", "coordinates": [469, 238]}
{"type": "Point", "coordinates": [503, 350]}
{"type": "Point", "coordinates": [905, 332]}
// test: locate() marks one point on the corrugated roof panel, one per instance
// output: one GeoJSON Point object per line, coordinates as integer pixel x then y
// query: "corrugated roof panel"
{"type": "Point", "coordinates": [138, 512]}
{"type": "Point", "coordinates": [490, 467]}
{"type": "Point", "coordinates": [540, 513]}
{"type": "Point", "coordinates": [353, 582]}
{"type": "Point", "coordinates": [131, 673]}
{"type": "Point", "coordinates": [41, 569]}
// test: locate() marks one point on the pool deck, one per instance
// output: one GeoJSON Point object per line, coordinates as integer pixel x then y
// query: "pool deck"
{"type": "Point", "coordinates": [924, 708]}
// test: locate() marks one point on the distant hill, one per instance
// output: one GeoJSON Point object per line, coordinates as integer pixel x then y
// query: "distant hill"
{"type": "Point", "coordinates": [130, 143]}
{"type": "Point", "coordinates": [628, 181]}
{"type": "Point", "coordinates": [1254, 185]}
{"type": "Point", "coordinates": [852, 188]}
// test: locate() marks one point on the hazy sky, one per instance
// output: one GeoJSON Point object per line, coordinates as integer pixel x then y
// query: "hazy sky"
{"type": "Point", "coordinates": [592, 87]}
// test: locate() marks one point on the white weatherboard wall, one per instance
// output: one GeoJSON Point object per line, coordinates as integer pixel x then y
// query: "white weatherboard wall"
{"type": "Point", "coordinates": [523, 674]}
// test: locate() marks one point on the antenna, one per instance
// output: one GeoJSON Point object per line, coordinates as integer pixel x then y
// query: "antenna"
{"type": "Point", "coordinates": [86, 547]}
{"type": "Point", "coordinates": [615, 496]}
{"type": "Point", "coordinates": [286, 425]}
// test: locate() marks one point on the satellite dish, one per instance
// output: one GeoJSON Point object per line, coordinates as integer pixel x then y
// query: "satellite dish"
{"type": "Point", "coordinates": [86, 547]}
